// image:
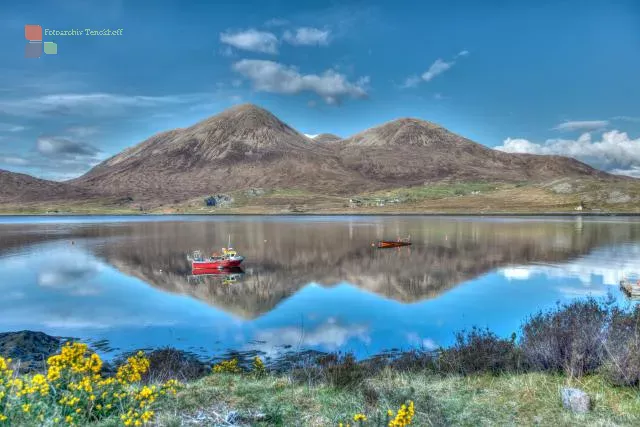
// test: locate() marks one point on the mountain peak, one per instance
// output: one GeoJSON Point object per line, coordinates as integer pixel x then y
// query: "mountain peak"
{"type": "Point", "coordinates": [405, 131]}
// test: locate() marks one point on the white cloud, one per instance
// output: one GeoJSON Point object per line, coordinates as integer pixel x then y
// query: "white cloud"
{"type": "Point", "coordinates": [606, 265]}
{"type": "Point", "coordinates": [411, 81]}
{"type": "Point", "coordinates": [615, 151]}
{"type": "Point", "coordinates": [583, 125]}
{"type": "Point", "coordinates": [516, 273]}
{"type": "Point", "coordinates": [329, 336]}
{"type": "Point", "coordinates": [269, 76]}
{"type": "Point", "coordinates": [8, 127]}
{"type": "Point", "coordinates": [82, 131]}
{"type": "Point", "coordinates": [437, 68]}
{"type": "Point", "coordinates": [308, 135]}
{"type": "Point", "coordinates": [13, 161]}
{"type": "Point", "coordinates": [251, 40]}
{"type": "Point", "coordinates": [87, 103]}
{"type": "Point", "coordinates": [425, 344]}
{"type": "Point", "coordinates": [57, 146]}
{"type": "Point", "coordinates": [307, 36]}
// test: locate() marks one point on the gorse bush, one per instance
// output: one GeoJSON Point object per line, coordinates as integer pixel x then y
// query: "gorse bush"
{"type": "Point", "coordinates": [402, 418]}
{"type": "Point", "coordinates": [479, 351]}
{"type": "Point", "coordinates": [74, 392]}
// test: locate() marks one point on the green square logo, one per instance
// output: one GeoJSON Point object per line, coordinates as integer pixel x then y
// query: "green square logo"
{"type": "Point", "coordinates": [50, 48]}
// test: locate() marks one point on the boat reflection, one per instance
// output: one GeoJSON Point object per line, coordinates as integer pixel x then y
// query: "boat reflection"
{"type": "Point", "coordinates": [226, 276]}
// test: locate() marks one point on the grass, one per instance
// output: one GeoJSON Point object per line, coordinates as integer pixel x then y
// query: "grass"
{"type": "Point", "coordinates": [431, 192]}
{"type": "Point", "coordinates": [455, 197]}
{"type": "Point", "coordinates": [510, 399]}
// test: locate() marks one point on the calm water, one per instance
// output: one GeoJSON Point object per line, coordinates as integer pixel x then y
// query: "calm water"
{"type": "Point", "coordinates": [308, 282]}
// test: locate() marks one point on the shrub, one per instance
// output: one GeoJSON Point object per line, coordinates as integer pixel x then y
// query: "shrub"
{"type": "Point", "coordinates": [258, 368]}
{"type": "Point", "coordinates": [570, 339]}
{"type": "Point", "coordinates": [622, 364]}
{"type": "Point", "coordinates": [227, 367]}
{"type": "Point", "coordinates": [479, 351]}
{"type": "Point", "coordinates": [341, 371]}
{"type": "Point", "coordinates": [169, 363]}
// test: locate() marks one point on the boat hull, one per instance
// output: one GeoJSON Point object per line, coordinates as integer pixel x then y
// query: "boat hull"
{"type": "Point", "coordinates": [390, 244]}
{"type": "Point", "coordinates": [216, 264]}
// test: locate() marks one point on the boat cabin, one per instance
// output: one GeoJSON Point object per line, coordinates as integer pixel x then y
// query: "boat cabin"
{"type": "Point", "coordinates": [229, 252]}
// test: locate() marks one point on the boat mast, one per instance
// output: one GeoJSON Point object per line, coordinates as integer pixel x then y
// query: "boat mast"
{"type": "Point", "coordinates": [229, 245]}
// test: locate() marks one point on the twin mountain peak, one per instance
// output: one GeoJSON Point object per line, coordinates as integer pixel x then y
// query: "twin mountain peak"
{"type": "Point", "coordinates": [246, 146]}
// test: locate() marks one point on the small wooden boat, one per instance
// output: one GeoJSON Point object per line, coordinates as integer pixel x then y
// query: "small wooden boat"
{"type": "Point", "coordinates": [392, 243]}
{"type": "Point", "coordinates": [631, 287]}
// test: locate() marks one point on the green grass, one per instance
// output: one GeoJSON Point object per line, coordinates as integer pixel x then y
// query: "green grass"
{"type": "Point", "coordinates": [513, 399]}
{"type": "Point", "coordinates": [431, 192]}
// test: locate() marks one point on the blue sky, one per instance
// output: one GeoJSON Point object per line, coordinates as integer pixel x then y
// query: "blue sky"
{"type": "Point", "coordinates": [545, 77]}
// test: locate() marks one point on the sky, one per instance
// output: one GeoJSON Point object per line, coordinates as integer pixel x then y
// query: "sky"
{"type": "Point", "coordinates": [546, 77]}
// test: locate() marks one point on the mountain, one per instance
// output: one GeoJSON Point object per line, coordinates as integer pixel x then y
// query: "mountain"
{"type": "Point", "coordinates": [326, 137]}
{"type": "Point", "coordinates": [21, 188]}
{"type": "Point", "coordinates": [411, 151]}
{"type": "Point", "coordinates": [247, 147]}
{"type": "Point", "coordinates": [243, 147]}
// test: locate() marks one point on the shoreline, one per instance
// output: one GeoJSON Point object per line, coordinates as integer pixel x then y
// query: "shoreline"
{"type": "Point", "coordinates": [335, 214]}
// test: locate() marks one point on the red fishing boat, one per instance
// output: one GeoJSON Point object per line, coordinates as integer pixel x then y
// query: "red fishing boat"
{"type": "Point", "coordinates": [229, 258]}
{"type": "Point", "coordinates": [392, 243]}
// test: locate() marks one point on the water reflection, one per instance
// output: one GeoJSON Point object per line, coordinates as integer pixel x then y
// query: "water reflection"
{"type": "Point", "coordinates": [307, 282]}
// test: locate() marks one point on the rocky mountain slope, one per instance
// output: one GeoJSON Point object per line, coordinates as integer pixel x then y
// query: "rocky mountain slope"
{"type": "Point", "coordinates": [411, 151]}
{"type": "Point", "coordinates": [247, 147]}
{"type": "Point", "coordinates": [18, 187]}
{"type": "Point", "coordinates": [243, 147]}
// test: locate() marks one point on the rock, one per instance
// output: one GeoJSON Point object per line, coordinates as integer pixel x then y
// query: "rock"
{"type": "Point", "coordinates": [30, 348]}
{"type": "Point", "coordinates": [618, 197]}
{"type": "Point", "coordinates": [254, 192]}
{"type": "Point", "coordinates": [232, 418]}
{"type": "Point", "coordinates": [562, 188]}
{"type": "Point", "coordinates": [575, 400]}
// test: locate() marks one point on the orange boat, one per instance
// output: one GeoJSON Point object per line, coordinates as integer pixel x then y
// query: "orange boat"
{"type": "Point", "coordinates": [392, 243]}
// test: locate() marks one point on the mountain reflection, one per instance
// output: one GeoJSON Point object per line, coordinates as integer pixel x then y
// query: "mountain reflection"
{"type": "Point", "coordinates": [285, 255]}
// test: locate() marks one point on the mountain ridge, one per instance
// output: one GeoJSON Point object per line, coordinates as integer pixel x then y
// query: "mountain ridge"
{"type": "Point", "coordinates": [247, 146]}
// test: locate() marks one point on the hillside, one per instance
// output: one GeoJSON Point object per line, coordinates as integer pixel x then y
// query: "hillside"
{"type": "Point", "coordinates": [411, 152]}
{"type": "Point", "coordinates": [243, 147]}
{"type": "Point", "coordinates": [18, 187]}
{"type": "Point", "coordinates": [247, 146]}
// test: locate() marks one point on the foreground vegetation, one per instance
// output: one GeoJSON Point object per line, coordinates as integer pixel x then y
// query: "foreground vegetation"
{"type": "Point", "coordinates": [481, 380]}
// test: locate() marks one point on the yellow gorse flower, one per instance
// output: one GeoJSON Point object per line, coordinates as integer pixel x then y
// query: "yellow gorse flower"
{"type": "Point", "coordinates": [359, 417]}
{"type": "Point", "coordinates": [82, 395]}
{"type": "Point", "coordinates": [404, 417]}
{"type": "Point", "coordinates": [227, 366]}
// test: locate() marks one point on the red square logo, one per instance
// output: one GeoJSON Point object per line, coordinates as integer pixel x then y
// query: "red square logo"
{"type": "Point", "coordinates": [33, 33]}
